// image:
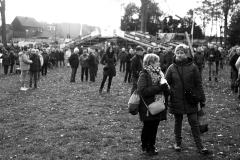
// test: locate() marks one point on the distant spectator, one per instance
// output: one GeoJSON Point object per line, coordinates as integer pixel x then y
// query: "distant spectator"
{"type": "Point", "coordinates": [109, 70]}
{"type": "Point", "coordinates": [84, 65]}
{"type": "Point", "coordinates": [12, 59]}
{"type": "Point", "coordinates": [122, 57]}
{"type": "Point", "coordinates": [5, 61]}
{"type": "Point", "coordinates": [45, 62]}
{"type": "Point", "coordinates": [198, 59]}
{"type": "Point", "coordinates": [92, 62]}
{"type": "Point", "coordinates": [24, 62]}
{"type": "Point", "coordinates": [128, 73]}
{"type": "Point", "coordinates": [34, 68]}
{"type": "Point", "coordinates": [74, 63]}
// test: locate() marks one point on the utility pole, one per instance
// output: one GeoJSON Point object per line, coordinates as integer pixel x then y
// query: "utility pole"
{"type": "Point", "coordinates": [2, 9]}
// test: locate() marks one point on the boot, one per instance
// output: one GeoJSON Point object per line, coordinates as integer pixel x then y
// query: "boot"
{"type": "Point", "coordinates": [203, 128]}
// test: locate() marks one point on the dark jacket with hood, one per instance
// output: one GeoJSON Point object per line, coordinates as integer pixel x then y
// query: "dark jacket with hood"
{"type": "Point", "coordinates": [192, 80]}
{"type": "Point", "coordinates": [147, 90]}
{"type": "Point", "coordinates": [73, 60]}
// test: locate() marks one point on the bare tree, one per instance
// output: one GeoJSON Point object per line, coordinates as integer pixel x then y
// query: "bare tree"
{"type": "Point", "coordinates": [2, 9]}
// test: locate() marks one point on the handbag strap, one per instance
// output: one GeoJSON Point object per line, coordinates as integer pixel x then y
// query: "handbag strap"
{"type": "Point", "coordinates": [144, 102]}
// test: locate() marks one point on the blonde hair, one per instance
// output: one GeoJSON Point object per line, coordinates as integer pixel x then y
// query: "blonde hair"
{"type": "Point", "coordinates": [150, 58]}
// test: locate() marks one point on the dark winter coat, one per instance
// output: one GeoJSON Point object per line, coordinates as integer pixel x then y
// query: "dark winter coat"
{"type": "Point", "coordinates": [36, 64]}
{"type": "Point", "coordinates": [5, 59]}
{"type": "Point", "coordinates": [109, 62]}
{"type": "Point", "coordinates": [128, 62]}
{"type": "Point", "coordinates": [199, 59]}
{"type": "Point", "coordinates": [12, 58]}
{"type": "Point", "coordinates": [147, 90]}
{"type": "Point", "coordinates": [45, 58]}
{"type": "Point", "coordinates": [92, 61]}
{"type": "Point", "coordinates": [74, 61]}
{"type": "Point", "coordinates": [192, 80]}
{"type": "Point", "coordinates": [136, 66]}
{"type": "Point", "coordinates": [233, 61]}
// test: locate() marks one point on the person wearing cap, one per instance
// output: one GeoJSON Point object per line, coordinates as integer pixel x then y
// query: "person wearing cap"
{"type": "Point", "coordinates": [34, 68]}
{"type": "Point", "coordinates": [109, 69]}
{"type": "Point", "coordinates": [74, 63]}
{"type": "Point", "coordinates": [183, 76]}
{"type": "Point", "coordinates": [24, 62]}
{"type": "Point", "coordinates": [136, 67]}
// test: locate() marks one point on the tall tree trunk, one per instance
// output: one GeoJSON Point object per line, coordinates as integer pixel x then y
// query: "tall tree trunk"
{"type": "Point", "coordinates": [144, 15]}
{"type": "Point", "coordinates": [4, 40]}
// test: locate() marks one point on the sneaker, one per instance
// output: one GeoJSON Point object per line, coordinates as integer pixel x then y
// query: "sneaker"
{"type": "Point", "coordinates": [203, 128]}
{"type": "Point", "coordinates": [177, 147]}
{"type": "Point", "coordinates": [204, 151]}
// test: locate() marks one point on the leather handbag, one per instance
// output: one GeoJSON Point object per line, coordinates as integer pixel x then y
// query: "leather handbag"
{"type": "Point", "coordinates": [155, 107]}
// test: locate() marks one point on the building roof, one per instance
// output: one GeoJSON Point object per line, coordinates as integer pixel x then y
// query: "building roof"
{"type": "Point", "coordinates": [28, 21]}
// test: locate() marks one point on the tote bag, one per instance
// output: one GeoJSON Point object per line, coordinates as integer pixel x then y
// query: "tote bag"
{"type": "Point", "coordinates": [133, 103]}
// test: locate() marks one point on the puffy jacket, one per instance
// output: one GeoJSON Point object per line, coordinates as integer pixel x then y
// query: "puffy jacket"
{"type": "Point", "coordinates": [84, 60]}
{"type": "Point", "coordinates": [24, 61]}
{"type": "Point", "coordinates": [192, 80]}
{"type": "Point", "coordinates": [147, 90]}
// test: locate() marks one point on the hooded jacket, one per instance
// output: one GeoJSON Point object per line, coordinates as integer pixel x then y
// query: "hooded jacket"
{"type": "Point", "coordinates": [191, 79]}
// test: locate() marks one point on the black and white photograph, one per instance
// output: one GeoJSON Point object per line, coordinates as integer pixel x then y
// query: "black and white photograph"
{"type": "Point", "coordinates": [120, 80]}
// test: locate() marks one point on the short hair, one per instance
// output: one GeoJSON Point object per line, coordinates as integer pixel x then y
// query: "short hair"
{"type": "Point", "coordinates": [150, 58]}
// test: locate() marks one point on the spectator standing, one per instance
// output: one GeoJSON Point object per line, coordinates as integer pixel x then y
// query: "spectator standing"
{"type": "Point", "coordinates": [74, 63]}
{"type": "Point", "coordinates": [34, 67]}
{"type": "Point", "coordinates": [12, 60]}
{"type": "Point", "coordinates": [128, 73]}
{"type": "Point", "coordinates": [84, 65]}
{"type": "Point", "coordinates": [122, 57]}
{"type": "Point", "coordinates": [45, 62]}
{"type": "Point", "coordinates": [109, 70]}
{"type": "Point", "coordinates": [198, 59]}
{"type": "Point", "coordinates": [136, 67]}
{"type": "Point", "coordinates": [5, 61]}
{"type": "Point", "coordinates": [149, 86]}
{"type": "Point", "coordinates": [92, 63]}
{"type": "Point", "coordinates": [24, 62]}
{"type": "Point", "coordinates": [183, 76]}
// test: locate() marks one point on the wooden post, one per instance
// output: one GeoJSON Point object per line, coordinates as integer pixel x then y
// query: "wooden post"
{"type": "Point", "coordinates": [189, 44]}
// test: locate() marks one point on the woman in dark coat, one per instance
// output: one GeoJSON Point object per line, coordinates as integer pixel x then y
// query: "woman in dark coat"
{"type": "Point", "coordinates": [150, 86]}
{"type": "Point", "coordinates": [109, 70]}
{"type": "Point", "coordinates": [183, 76]}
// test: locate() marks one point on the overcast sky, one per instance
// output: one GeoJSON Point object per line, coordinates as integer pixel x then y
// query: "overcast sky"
{"type": "Point", "coordinates": [93, 12]}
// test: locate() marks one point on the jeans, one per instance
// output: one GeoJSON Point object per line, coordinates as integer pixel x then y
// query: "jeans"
{"type": "Point", "coordinates": [213, 72]}
{"type": "Point", "coordinates": [5, 69]}
{"type": "Point", "coordinates": [127, 76]}
{"type": "Point", "coordinates": [74, 71]}
{"type": "Point", "coordinates": [23, 77]}
{"type": "Point", "coordinates": [44, 69]}
{"type": "Point", "coordinates": [84, 72]}
{"type": "Point", "coordinates": [34, 76]}
{"type": "Point", "coordinates": [194, 123]}
{"type": "Point", "coordinates": [149, 133]}
{"type": "Point", "coordinates": [104, 80]}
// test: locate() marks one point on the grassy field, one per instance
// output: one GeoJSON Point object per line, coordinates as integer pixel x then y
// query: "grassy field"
{"type": "Point", "coordinates": [62, 120]}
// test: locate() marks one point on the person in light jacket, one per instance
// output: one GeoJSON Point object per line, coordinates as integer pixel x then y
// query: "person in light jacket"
{"type": "Point", "coordinates": [24, 62]}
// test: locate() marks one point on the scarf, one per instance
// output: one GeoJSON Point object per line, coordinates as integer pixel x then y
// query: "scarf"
{"type": "Point", "coordinates": [155, 73]}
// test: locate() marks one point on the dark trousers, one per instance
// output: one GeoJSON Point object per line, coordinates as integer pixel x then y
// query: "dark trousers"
{"type": "Point", "coordinates": [122, 66]}
{"type": "Point", "coordinates": [104, 80]}
{"type": "Point", "coordinates": [127, 76]}
{"type": "Point", "coordinates": [92, 72]}
{"type": "Point", "coordinates": [5, 69]}
{"type": "Point", "coordinates": [44, 69]}
{"type": "Point", "coordinates": [149, 132]}
{"type": "Point", "coordinates": [33, 77]}
{"type": "Point", "coordinates": [194, 123]}
{"type": "Point", "coordinates": [73, 75]}
{"type": "Point", "coordinates": [84, 72]}
{"type": "Point", "coordinates": [11, 68]}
